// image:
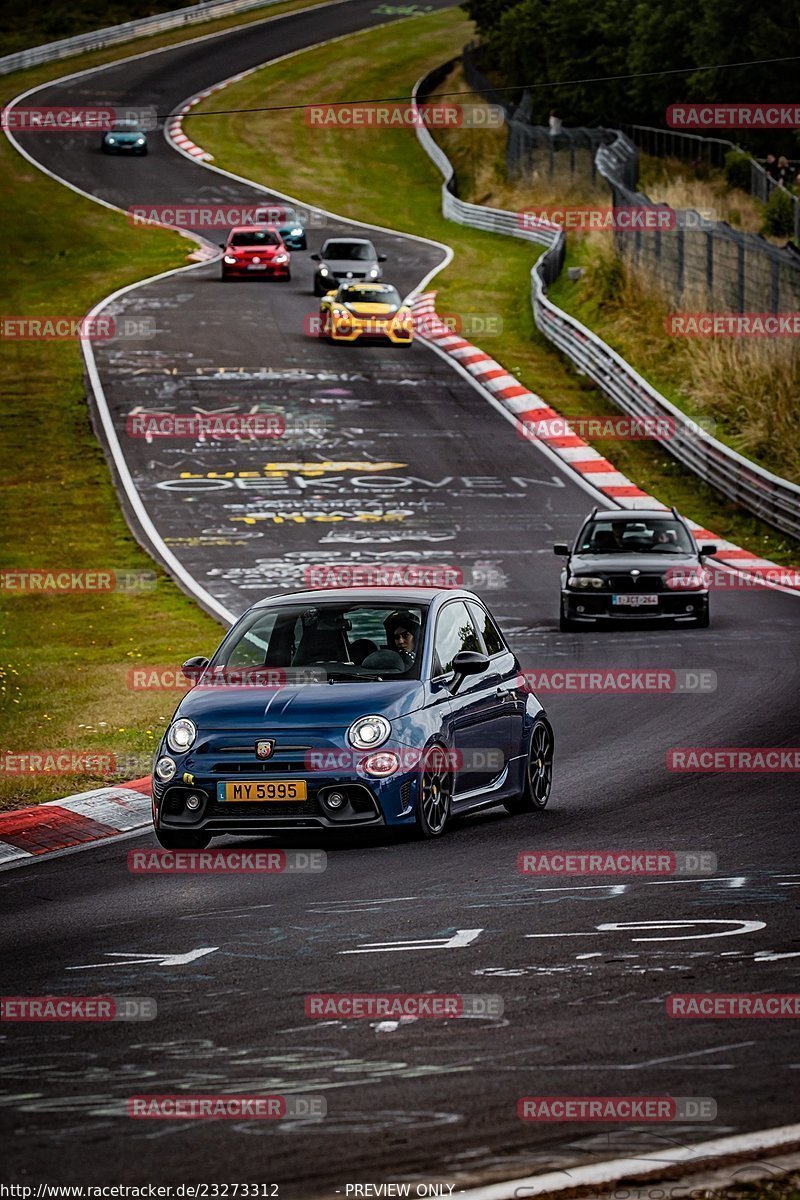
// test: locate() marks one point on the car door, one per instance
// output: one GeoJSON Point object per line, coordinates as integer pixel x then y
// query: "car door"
{"type": "Point", "coordinates": [505, 669]}
{"type": "Point", "coordinates": [476, 719]}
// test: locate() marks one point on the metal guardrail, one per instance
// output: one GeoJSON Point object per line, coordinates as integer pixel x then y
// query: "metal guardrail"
{"type": "Point", "coordinates": [773, 499]}
{"type": "Point", "coordinates": [112, 35]}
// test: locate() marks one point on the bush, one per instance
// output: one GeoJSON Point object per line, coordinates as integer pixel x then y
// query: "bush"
{"type": "Point", "coordinates": [779, 213]}
{"type": "Point", "coordinates": [737, 169]}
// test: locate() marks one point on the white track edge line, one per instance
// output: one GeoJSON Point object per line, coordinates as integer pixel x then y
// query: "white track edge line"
{"type": "Point", "coordinates": [612, 1171]}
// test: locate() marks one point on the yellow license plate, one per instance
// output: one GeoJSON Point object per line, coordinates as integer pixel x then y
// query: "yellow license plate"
{"type": "Point", "coordinates": [279, 790]}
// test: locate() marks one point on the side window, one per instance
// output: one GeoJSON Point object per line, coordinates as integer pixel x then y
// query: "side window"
{"type": "Point", "coordinates": [252, 649]}
{"type": "Point", "coordinates": [454, 631]}
{"type": "Point", "coordinates": [491, 634]}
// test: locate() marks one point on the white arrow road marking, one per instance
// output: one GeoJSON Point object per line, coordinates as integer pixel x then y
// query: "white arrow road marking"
{"type": "Point", "coordinates": [153, 960]}
{"type": "Point", "coordinates": [462, 937]}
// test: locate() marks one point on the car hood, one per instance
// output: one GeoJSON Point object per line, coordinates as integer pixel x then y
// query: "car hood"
{"type": "Point", "coordinates": [371, 310]}
{"type": "Point", "coordinates": [127, 138]}
{"type": "Point", "coordinates": [349, 264]}
{"type": "Point", "coordinates": [620, 564]}
{"type": "Point", "coordinates": [334, 705]}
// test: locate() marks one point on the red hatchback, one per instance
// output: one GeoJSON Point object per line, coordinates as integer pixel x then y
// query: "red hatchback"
{"type": "Point", "coordinates": [255, 250]}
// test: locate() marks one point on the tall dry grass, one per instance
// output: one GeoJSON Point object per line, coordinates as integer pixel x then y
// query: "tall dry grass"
{"type": "Point", "coordinates": [749, 386]}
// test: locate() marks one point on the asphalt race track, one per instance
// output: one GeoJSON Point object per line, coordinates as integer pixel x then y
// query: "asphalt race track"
{"type": "Point", "coordinates": [415, 466]}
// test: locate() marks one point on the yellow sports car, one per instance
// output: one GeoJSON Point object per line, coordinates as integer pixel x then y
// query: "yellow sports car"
{"type": "Point", "coordinates": [366, 310]}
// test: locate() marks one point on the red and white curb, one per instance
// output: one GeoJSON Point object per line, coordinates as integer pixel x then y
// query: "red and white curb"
{"type": "Point", "coordinates": [74, 821]}
{"type": "Point", "coordinates": [173, 130]}
{"type": "Point", "coordinates": [572, 450]}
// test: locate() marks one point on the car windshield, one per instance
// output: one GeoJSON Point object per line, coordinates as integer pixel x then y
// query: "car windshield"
{"type": "Point", "coordinates": [349, 251]}
{"type": "Point", "coordinates": [635, 536]}
{"type": "Point", "coordinates": [335, 640]}
{"type": "Point", "coordinates": [379, 294]}
{"type": "Point", "coordinates": [255, 237]}
{"type": "Point", "coordinates": [124, 127]}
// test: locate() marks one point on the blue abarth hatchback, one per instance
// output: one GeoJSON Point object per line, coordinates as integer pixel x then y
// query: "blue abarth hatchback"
{"type": "Point", "coordinates": [348, 708]}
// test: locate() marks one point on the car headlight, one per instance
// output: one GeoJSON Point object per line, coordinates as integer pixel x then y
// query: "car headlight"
{"type": "Point", "coordinates": [181, 735]}
{"type": "Point", "coordinates": [368, 732]}
{"type": "Point", "coordinates": [140, 141]}
{"type": "Point", "coordinates": [229, 258]}
{"type": "Point", "coordinates": [585, 581]}
{"type": "Point", "coordinates": [111, 141]}
{"type": "Point", "coordinates": [381, 765]}
{"type": "Point", "coordinates": [687, 579]}
{"type": "Point", "coordinates": [165, 769]}
{"type": "Point", "coordinates": [297, 232]}
{"type": "Point", "coordinates": [281, 258]}
{"type": "Point", "coordinates": [374, 273]}
{"type": "Point", "coordinates": [324, 271]}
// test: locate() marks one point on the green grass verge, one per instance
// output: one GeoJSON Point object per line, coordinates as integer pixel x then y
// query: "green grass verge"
{"type": "Point", "coordinates": [385, 177]}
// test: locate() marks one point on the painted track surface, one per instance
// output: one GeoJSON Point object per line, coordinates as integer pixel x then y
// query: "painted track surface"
{"type": "Point", "coordinates": [583, 1006]}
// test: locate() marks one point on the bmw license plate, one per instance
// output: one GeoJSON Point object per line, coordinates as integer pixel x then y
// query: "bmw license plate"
{"type": "Point", "coordinates": [635, 601]}
{"type": "Point", "coordinates": [262, 790]}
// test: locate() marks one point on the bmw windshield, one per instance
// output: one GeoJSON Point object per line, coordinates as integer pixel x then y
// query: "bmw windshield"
{"type": "Point", "coordinates": [659, 536]}
{"type": "Point", "coordinates": [330, 640]}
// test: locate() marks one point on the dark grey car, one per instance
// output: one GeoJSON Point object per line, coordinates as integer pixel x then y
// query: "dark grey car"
{"type": "Point", "coordinates": [634, 565]}
{"type": "Point", "coordinates": [344, 259]}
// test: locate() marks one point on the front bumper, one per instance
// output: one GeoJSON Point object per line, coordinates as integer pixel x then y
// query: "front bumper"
{"type": "Point", "coordinates": [243, 271]}
{"type": "Point", "coordinates": [369, 802]}
{"type": "Point", "coordinates": [597, 606]}
{"type": "Point", "coordinates": [357, 333]}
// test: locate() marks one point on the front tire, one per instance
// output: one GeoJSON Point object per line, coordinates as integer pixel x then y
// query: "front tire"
{"type": "Point", "coordinates": [435, 793]}
{"type": "Point", "coordinates": [175, 839]}
{"type": "Point", "coordinates": [538, 772]}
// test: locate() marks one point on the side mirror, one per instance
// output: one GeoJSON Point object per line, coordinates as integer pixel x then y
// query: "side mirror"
{"type": "Point", "coordinates": [223, 245]}
{"type": "Point", "coordinates": [468, 662]}
{"type": "Point", "coordinates": [381, 258]}
{"type": "Point", "coordinates": [193, 667]}
{"type": "Point", "coordinates": [561, 549]}
{"type": "Point", "coordinates": [315, 257]}
{"type": "Point", "coordinates": [708, 548]}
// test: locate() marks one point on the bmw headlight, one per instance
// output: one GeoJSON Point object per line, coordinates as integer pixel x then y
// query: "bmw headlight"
{"type": "Point", "coordinates": [140, 141]}
{"type": "Point", "coordinates": [368, 732]}
{"type": "Point", "coordinates": [585, 581]}
{"type": "Point", "coordinates": [181, 735]}
{"type": "Point", "coordinates": [297, 232]}
{"type": "Point", "coordinates": [110, 140]}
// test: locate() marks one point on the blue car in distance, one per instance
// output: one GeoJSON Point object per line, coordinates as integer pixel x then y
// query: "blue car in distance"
{"type": "Point", "coordinates": [348, 708]}
{"type": "Point", "coordinates": [287, 222]}
{"type": "Point", "coordinates": [124, 137]}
